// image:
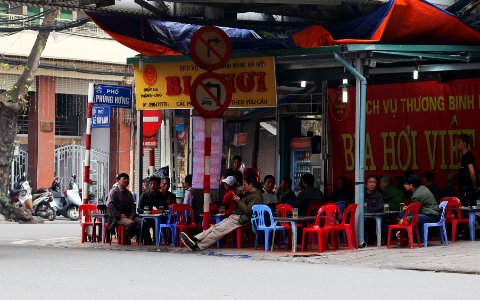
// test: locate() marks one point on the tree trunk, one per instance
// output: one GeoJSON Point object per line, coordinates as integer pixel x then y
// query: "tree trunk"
{"type": "Point", "coordinates": [13, 101]}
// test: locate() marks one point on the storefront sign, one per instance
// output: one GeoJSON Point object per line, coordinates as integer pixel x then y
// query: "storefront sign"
{"type": "Point", "coordinates": [240, 139]}
{"type": "Point", "coordinates": [199, 151]}
{"type": "Point", "coordinates": [409, 126]}
{"type": "Point", "coordinates": [168, 85]}
{"type": "Point", "coordinates": [112, 95]}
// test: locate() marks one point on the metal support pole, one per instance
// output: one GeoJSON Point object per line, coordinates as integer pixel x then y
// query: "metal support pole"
{"type": "Point", "coordinates": [88, 144]}
{"type": "Point", "coordinates": [138, 150]}
{"type": "Point", "coordinates": [151, 166]}
{"type": "Point", "coordinates": [360, 116]}
{"type": "Point", "coordinates": [206, 177]}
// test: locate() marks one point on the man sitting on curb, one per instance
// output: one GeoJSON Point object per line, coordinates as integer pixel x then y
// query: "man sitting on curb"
{"type": "Point", "coordinates": [239, 217]}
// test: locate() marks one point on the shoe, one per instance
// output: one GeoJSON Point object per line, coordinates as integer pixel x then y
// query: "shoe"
{"type": "Point", "coordinates": [188, 241]}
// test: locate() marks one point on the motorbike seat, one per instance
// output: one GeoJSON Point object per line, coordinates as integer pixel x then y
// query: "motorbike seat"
{"type": "Point", "coordinates": [36, 196]}
{"type": "Point", "coordinates": [56, 194]}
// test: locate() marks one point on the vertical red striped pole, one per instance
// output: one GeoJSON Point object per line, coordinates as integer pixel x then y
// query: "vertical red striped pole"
{"type": "Point", "coordinates": [206, 176]}
{"type": "Point", "coordinates": [88, 144]}
{"type": "Point", "coordinates": [151, 166]}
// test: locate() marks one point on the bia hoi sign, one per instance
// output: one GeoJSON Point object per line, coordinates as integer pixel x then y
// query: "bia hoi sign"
{"type": "Point", "coordinates": [112, 95]}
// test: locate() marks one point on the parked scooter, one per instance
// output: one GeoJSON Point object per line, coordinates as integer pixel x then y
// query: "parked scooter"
{"type": "Point", "coordinates": [41, 204]}
{"type": "Point", "coordinates": [73, 199]}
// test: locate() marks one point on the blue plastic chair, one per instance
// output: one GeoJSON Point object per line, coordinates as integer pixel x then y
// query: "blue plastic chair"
{"type": "Point", "coordinates": [441, 223]}
{"type": "Point", "coordinates": [259, 213]}
{"type": "Point", "coordinates": [170, 224]}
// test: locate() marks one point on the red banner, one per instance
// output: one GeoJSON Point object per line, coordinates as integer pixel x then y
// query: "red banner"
{"type": "Point", "coordinates": [409, 126]}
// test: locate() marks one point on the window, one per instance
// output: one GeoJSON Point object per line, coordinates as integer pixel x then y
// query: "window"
{"type": "Point", "coordinates": [4, 8]}
{"type": "Point", "coordinates": [32, 11]}
{"type": "Point", "coordinates": [66, 15]}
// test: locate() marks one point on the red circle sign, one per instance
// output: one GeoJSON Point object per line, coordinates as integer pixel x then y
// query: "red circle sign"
{"type": "Point", "coordinates": [150, 75]}
{"type": "Point", "coordinates": [210, 95]}
{"type": "Point", "coordinates": [152, 120]}
{"type": "Point", "coordinates": [210, 48]}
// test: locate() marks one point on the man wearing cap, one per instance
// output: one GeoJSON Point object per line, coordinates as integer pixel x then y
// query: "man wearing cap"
{"type": "Point", "coordinates": [230, 184]}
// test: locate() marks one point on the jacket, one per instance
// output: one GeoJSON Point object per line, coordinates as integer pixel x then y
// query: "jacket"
{"type": "Point", "coordinates": [245, 205]}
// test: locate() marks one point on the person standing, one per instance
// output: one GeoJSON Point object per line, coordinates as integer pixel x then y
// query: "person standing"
{"type": "Point", "coordinates": [121, 207]}
{"type": "Point", "coordinates": [188, 198]}
{"type": "Point", "coordinates": [165, 190]}
{"type": "Point", "coordinates": [466, 175]}
{"type": "Point", "coordinates": [239, 217]}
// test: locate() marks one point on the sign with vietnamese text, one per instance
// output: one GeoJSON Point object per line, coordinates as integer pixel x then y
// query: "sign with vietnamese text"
{"type": "Point", "coordinates": [409, 126]}
{"type": "Point", "coordinates": [199, 152]}
{"type": "Point", "coordinates": [168, 85]}
{"type": "Point", "coordinates": [112, 95]}
{"type": "Point", "coordinates": [100, 117]}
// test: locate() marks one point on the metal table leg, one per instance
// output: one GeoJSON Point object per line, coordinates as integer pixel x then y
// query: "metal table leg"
{"type": "Point", "coordinates": [378, 222]}
{"type": "Point", "coordinates": [294, 236]}
{"type": "Point", "coordinates": [471, 223]}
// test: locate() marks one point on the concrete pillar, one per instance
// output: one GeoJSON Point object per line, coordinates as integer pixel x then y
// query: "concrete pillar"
{"type": "Point", "coordinates": [41, 133]}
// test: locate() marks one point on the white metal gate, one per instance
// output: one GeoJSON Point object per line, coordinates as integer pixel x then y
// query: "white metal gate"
{"type": "Point", "coordinates": [69, 160]}
{"type": "Point", "coordinates": [19, 167]}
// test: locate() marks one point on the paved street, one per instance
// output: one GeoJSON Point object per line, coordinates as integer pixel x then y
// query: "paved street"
{"type": "Point", "coordinates": [50, 260]}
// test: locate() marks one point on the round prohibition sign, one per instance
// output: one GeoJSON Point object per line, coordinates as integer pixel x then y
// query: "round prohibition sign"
{"type": "Point", "coordinates": [210, 48]}
{"type": "Point", "coordinates": [210, 95]}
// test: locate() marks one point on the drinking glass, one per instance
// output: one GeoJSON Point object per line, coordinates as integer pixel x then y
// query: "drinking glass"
{"type": "Point", "coordinates": [402, 206]}
{"type": "Point", "coordinates": [386, 208]}
{"type": "Point", "coordinates": [222, 210]}
{"type": "Point", "coordinates": [295, 212]}
{"type": "Point", "coordinates": [478, 204]}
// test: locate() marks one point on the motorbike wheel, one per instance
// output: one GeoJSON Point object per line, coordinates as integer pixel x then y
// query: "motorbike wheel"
{"type": "Point", "coordinates": [72, 213]}
{"type": "Point", "coordinates": [51, 214]}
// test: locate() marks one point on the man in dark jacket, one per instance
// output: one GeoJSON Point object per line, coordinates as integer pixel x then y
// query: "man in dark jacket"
{"type": "Point", "coordinates": [150, 200]}
{"type": "Point", "coordinates": [121, 207]}
{"type": "Point", "coordinates": [309, 194]}
{"type": "Point", "coordinates": [239, 217]}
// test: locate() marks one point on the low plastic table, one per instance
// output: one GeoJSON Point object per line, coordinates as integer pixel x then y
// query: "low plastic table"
{"type": "Point", "coordinates": [471, 220]}
{"type": "Point", "coordinates": [157, 218]}
{"type": "Point", "coordinates": [293, 223]}
{"type": "Point", "coordinates": [378, 222]}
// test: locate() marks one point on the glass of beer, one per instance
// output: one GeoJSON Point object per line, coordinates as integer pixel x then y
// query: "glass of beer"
{"type": "Point", "coordinates": [386, 208]}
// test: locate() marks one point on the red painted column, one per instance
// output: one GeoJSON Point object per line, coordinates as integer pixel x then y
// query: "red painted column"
{"type": "Point", "coordinates": [119, 143]}
{"type": "Point", "coordinates": [41, 133]}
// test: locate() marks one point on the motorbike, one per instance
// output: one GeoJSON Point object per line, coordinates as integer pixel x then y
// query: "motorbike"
{"type": "Point", "coordinates": [42, 201]}
{"type": "Point", "coordinates": [72, 199]}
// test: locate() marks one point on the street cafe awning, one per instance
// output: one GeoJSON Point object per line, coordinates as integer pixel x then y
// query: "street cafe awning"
{"type": "Point", "coordinates": [395, 22]}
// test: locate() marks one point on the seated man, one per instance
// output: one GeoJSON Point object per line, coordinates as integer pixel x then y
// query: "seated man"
{"type": "Point", "coordinates": [268, 194]}
{"type": "Point", "coordinates": [150, 200]}
{"type": "Point", "coordinates": [165, 189]}
{"type": "Point", "coordinates": [391, 194]}
{"type": "Point", "coordinates": [230, 185]}
{"type": "Point", "coordinates": [285, 193]}
{"type": "Point", "coordinates": [188, 198]}
{"type": "Point", "coordinates": [429, 211]}
{"type": "Point", "coordinates": [121, 207]}
{"type": "Point", "coordinates": [239, 217]}
{"type": "Point", "coordinates": [309, 194]}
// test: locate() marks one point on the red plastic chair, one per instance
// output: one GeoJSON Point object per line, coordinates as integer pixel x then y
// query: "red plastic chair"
{"type": "Point", "coordinates": [326, 218]}
{"type": "Point", "coordinates": [413, 210]}
{"type": "Point", "coordinates": [184, 220]}
{"type": "Point", "coordinates": [348, 226]}
{"type": "Point", "coordinates": [120, 231]}
{"type": "Point", "coordinates": [453, 214]}
{"type": "Point", "coordinates": [85, 212]}
{"type": "Point", "coordinates": [312, 209]}
{"type": "Point", "coordinates": [239, 232]}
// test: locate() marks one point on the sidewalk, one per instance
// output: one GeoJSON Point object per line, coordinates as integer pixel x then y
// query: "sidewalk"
{"type": "Point", "coordinates": [458, 257]}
